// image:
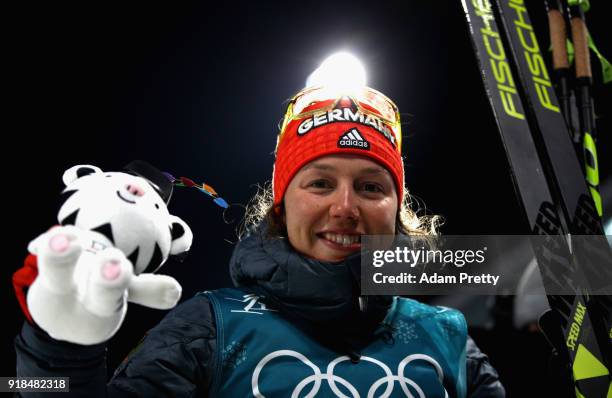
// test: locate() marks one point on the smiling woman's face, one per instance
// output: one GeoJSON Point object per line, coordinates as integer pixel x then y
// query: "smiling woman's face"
{"type": "Point", "coordinates": [333, 200]}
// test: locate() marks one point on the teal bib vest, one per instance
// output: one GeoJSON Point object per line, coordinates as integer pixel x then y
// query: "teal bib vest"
{"type": "Point", "coordinates": [261, 354]}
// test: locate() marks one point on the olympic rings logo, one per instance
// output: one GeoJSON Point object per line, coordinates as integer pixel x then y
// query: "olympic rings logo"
{"type": "Point", "coordinates": [389, 379]}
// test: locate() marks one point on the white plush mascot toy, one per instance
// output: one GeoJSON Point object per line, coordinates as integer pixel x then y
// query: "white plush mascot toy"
{"type": "Point", "coordinates": [115, 231]}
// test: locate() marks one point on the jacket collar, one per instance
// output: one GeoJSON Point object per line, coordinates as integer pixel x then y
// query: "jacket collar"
{"type": "Point", "coordinates": [310, 292]}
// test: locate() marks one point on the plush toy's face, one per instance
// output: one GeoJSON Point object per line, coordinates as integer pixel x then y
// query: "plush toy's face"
{"type": "Point", "coordinates": [127, 211]}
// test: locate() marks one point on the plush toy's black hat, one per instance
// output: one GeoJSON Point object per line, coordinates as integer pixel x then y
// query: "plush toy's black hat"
{"type": "Point", "coordinates": [158, 180]}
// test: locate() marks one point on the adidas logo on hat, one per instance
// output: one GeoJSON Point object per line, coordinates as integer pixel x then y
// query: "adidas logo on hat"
{"type": "Point", "coordinates": [352, 139]}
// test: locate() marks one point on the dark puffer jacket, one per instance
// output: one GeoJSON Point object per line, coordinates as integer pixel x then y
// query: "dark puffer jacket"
{"type": "Point", "coordinates": [177, 356]}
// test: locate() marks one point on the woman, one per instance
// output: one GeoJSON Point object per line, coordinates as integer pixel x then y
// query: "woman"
{"type": "Point", "coordinates": [296, 325]}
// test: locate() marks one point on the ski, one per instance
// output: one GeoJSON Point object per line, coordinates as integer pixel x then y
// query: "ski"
{"type": "Point", "coordinates": [579, 202]}
{"type": "Point", "coordinates": [549, 183]}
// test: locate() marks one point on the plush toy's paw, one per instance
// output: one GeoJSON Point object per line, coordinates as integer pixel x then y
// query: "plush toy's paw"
{"type": "Point", "coordinates": [170, 293]}
{"type": "Point", "coordinates": [109, 275]}
{"type": "Point", "coordinates": [60, 244]}
{"type": "Point", "coordinates": [155, 291]}
{"type": "Point", "coordinates": [58, 251]}
{"type": "Point", "coordinates": [93, 311]}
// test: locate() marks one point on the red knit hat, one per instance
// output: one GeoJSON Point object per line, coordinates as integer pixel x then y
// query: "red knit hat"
{"type": "Point", "coordinates": [319, 122]}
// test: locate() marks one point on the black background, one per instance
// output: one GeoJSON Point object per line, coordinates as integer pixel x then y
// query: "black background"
{"type": "Point", "coordinates": [198, 91]}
